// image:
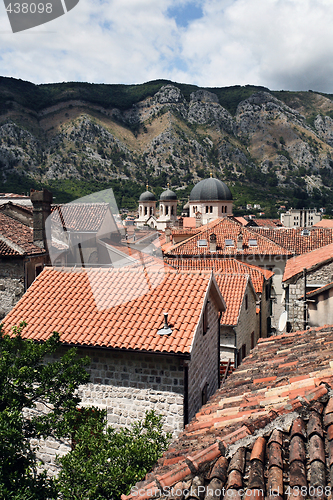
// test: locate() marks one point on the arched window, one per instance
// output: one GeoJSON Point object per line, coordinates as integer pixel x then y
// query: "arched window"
{"type": "Point", "coordinates": [207, 209]}
{"type": "Point", "coordinates": [225, 209]}
{"type": "Point", "coordinates": [140, 210]}
{"type": "Point", "coordinates": [172, 213]}
{"type": "Point", "coordinates": [166, 210]}
{"type": "Point", "coordinates": [211, 209]}
{"type": "Point", "coordinates": [222, 209]}
{"type": "Point", "coordinates": [146, 210]}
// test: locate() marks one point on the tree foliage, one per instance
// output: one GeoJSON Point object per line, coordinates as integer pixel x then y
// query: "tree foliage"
{"type": "Point", "coordinates": [27, 380]}
{"type": "Point", "coordinates": [105, 463]}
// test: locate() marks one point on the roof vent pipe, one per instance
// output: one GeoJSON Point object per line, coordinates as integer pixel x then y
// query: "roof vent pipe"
{"type": "Point", "coordinates": [166, 330]}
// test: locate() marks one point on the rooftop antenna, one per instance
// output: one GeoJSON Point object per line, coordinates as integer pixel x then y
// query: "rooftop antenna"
{"type": "Point", "coordinates": [166, 330]}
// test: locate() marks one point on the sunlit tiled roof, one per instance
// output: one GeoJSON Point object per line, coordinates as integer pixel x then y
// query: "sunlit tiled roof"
{"type": "Point", "coordinates": [266, 433]}
{"type": "Point", "coordinates": [227, 232]}
{"type": "Point", "coordinates": [115, 308]}
{"type": "Point", "coordinates": [294, 241]}
{"type": "Point", "coordinates": [229, 265]}
{"type": "Point", "coordinates": [310, 260]}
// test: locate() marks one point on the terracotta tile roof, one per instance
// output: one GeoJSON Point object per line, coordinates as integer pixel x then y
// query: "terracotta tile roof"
{"type": "Point", "coordinates": [233, 288]}
{"type": "Point", "coordinates": [227, 229]}
{"type": "Point", "coordinates": [324, 223]}
{"type": "Point", "coordinates": [124, 312]}
{"type": "Point", "coordinates": [292, 239]}
{"type": "Point", "coordinates": [321, 289]}
{"type": "Point", "coordinates": [17, 238]}
{"type": "Point", "coordinates": [80, 216]}
{"type": "Point", "coordinates": [241, 220]}
{"type": "Point", "coordinates": [311, 260]}
{"type": "Point", "coordinates": [268, 222]}
{"type": "Point", "coordinates": [189, 222]}
{"type": "Point", "coordinates": [229, 265]}
{"type": "Point", "coordinates": [269, 427]}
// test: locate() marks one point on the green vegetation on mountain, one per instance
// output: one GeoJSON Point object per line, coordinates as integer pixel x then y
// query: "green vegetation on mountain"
{"type": "Point", "coordinates": [270, 147]}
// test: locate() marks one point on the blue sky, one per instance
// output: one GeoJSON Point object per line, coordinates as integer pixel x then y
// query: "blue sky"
{"type": "Point", "coordinates": [281, 44]}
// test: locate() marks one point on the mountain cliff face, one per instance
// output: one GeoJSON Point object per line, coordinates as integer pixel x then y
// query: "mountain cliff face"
{"type": "Point", "coordinates": [275, 146]}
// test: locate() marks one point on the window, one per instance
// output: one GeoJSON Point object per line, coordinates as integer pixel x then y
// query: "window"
{"type": "Point", "coordinates": [246, 302]}
{"type": "Point", "coordinates": [252, 340]}
{"type": "Point", "coordinates": [253, 242]}
{"type": "Point", "coordinates": [211, 209]}
{"type": "Point", "coordinates": [207, 209]}
{"type": "Point", "coordinates": [202, 243]}
{"type": "Point", "coordinates": [204, 394]}
{"type": "Point", "coordinates": [146, 210]}
{"type": "Point", "coordinates": [172, 210]}
{"type": "Point", "coordinates": [205, 325]}
{"type": "Point", "coordinates": [229, 243]}
{"type": "Point", "coordinates": [38, 269]}
{"type": "Point", "coordinates": [241, 354]}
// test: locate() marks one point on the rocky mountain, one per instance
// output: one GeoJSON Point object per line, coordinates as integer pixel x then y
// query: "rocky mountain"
{"type": "Point", "coordinates": [269, 147]}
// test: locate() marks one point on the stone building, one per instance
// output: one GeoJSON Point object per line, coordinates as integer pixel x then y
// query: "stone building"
{"type": "Point", "coordinates": [211, 198]}
{"type": "Point", "coordinates": [141, 359]}
{"type": "Point", "coordinates": [240, 322]}
{"type": "Point", "coordinates": [23, 251]}
{"type": "Point", "coordinates": [320, 306]}
{"type": "Point", "coordinates": [306, 217]}
{"type": "Point", "coordinates": [306, 273]}
{"type": "Point", "coordinates": [245, 320]}
{"type": "Point", "coordinates": [232, 240]}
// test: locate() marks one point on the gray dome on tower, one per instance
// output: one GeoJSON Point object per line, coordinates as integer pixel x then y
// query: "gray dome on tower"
{"type": "Point", "coordinates": [211, 189]}
{"type": "Point", "coordinates": [168, 195]}
{"type": "Point", "coordinates": [147, 196]}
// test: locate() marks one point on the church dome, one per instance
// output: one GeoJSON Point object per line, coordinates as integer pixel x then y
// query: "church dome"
{"type": "Point", "coordinates": [147, 196]}
{"type": "Point", "coordinates": [168, 195]}
{"type": "Point", "coordinates": [211, 189]}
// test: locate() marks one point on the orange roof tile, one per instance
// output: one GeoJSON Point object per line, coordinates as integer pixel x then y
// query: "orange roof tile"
{"type": "Point", "coordinates": [292, 239]}
{"type": "Point", "coordinates": [124, 311]}
{"type": "Point", "coordinates": [16, 238]}
{"type": "Point", "coordinates": [233, 288]}
{"type": "Point", "coordinates": [321, 289]}
{"type": "Point", "coordinates": [227, 229]}
{"type": "Point", "coordinates": [310, 260]}
{"type": "Point", "coordinates": [284, 406]}
{"type": "Point", "coordinates": [228, 265]}
{"type": "Point", "coordinates": [324, 223]}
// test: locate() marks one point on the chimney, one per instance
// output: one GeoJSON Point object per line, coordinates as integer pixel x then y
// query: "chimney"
{"type": "Point", "coordinates": [212, 242]}
{"type": "Point", "coordinates": [240, 242]}
{"type": "Point", "coordinates": [167, 234]}
{"type": "Point", "coordinates": [41, 201]}
{"type": "Point", "coordinates": [198, 222]}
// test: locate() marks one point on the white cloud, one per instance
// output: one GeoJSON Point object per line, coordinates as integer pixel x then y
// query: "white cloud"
{"type": "Point", "coordinates": [276, 43]}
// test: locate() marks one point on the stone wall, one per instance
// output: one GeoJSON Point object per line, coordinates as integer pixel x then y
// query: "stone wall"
{"type": "Point", "coordinates": [126, 385]}
{"type": "Point", "coordinates": [318, 277]}
{"type": "Point", "coordinates": [247, 321]}
{"type": "Point", "coordinates": [203, 368]}
{"type": "Point", "coordinates": [11, 284]}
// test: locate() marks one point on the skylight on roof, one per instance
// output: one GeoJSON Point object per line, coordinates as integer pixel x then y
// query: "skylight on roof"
{"type": "Point", "coordinates": [305, 232]}
{"type": "Point", "coordinates": [253, 242]}
{"type": "Point", "coordinates": [202, 243]}
{"type": "Point", "coordinates": [229, 243]}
